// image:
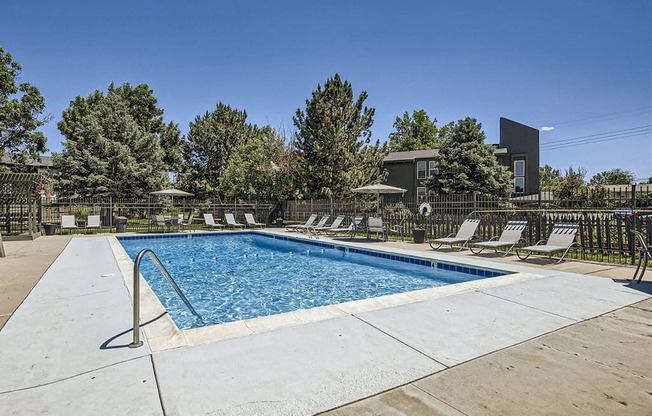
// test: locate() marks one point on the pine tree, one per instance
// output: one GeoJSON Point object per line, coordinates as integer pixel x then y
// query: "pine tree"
{"type": "Point", "coordinates": [467, 164]}
{"type": "Point", "coordinates": [332, 133]}
{"type": "Point", "coordinates": [106, 151]}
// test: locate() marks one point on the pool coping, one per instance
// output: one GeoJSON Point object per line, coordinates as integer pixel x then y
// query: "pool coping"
{"type": "Point", "coordinates": [161, 333]}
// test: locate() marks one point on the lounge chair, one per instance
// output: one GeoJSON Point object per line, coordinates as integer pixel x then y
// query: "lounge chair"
{"type": "Point", "coordinates": [231, 222]}
{"type": "Point", "coordinates": [68, 222]}
{"type": "Point", "coordinates": [210, 222]}
{"type": "Point", "coordinates": [184, 223]}
{"type": "Point", "coordinates": [93, 221]}
{"type": "Point", "coordinates": [644, 252]}
{"type": "Point", "coordinates": [312, 228]}
{"type": "Point", "coordinates": [562, 238]}
{"type": "Point", "coordinates": [374, 226]}
{"type": "Point", "coordinates": [159, 221]}
{"type": "Point", "coordinates": [510, 236]}
{"type": "Point", "coordinates": [308, 223]}
{"type": "Point", "coordinates": [353, 227]}
{"type": "Point", "coordinates": [464, 235]}
{"type": "Point", "coordinates": [336, 224]}
{"type": "Point", "coordinates": [251, 221]}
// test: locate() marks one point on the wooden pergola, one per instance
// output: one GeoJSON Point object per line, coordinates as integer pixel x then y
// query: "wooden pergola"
{"type": "Point", "coordinates": [20, 189]}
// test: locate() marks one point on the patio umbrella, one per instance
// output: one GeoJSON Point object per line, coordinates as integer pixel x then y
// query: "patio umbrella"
{"type": "Point", "coordinates": [172, 193]}
{"type": "Point", "coordinates": [379, 189]}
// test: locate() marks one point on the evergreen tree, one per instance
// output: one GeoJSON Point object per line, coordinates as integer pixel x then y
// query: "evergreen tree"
{"type": "Point", "coordinates": [212, 140]}
{"type": "Point", "coordinates": [332, 133]}
{"type": "Point", "coordinates": [21, 115]}
{"type": "Point", "coordinates": [106, 151]}
{"type": "Point", "coordinates": [414, 132]}
{"type": "Point", "coordinates": [467, 164]}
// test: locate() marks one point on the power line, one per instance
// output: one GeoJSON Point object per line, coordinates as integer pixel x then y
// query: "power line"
{"type": "Point", "coordinates": [598, 140]}
{"type": "Point", "coordinates": [605, 117]}
{"type": "Point", "coordinates": [598, 134]}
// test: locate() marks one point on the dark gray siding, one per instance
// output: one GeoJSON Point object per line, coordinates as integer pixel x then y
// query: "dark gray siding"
{"type": "Point", "coordinates": [522, 143]}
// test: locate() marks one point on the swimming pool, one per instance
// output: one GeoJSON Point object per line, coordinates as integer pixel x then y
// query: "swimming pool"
{"type": "Point", "coordinates": [233, 276]}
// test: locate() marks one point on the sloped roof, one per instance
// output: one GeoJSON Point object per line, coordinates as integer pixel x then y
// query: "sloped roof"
{"type": "Point", "coordinates": [46, 161]}
{"type": "Point", "coordinates": [411, 155]}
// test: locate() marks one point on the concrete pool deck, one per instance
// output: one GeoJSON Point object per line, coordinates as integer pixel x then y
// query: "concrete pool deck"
{"type": "Point", "coordinates": [559, 344]}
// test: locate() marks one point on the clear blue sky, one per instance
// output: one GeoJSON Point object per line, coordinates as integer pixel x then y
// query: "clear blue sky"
{"type": "Point", "coordinates": [564, 64]}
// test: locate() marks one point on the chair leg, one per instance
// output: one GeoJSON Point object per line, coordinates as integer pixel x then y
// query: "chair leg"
{"type": "Point", "coordinates": [518, 253]}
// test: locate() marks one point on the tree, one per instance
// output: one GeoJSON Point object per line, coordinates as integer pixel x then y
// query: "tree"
{"type": "Point", "coordinates": [549, 178]}
{"type": "Point", "coordinates": [571, 189]}
{"type": "Point", "coordinates": [467, 164]}
{"type": "Point", "coordinates": [143, 108]}
{"type": "Point", "coordinates": [613, 177]}
{"type": "Point", "coordinates": [414, 132]}
{"type": "Point", "coordinates": [264, 170]}
{"type": "Point", "coordinates": [107, 152]}
{"type": "Point", "coordinates": [212, 140]}
{"type": "Point", "coordinates": [21, 115]}
{"type": "Point", "coordinates": [332, 135]}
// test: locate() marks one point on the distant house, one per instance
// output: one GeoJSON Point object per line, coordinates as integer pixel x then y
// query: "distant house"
{"type": "Point", "coordinates": [518, 150]}
{"type": "Point", "coordinates": [32, 166]}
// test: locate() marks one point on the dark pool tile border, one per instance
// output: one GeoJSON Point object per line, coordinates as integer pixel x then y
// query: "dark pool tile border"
{"type": "Point", "coordinates": [396, 257]}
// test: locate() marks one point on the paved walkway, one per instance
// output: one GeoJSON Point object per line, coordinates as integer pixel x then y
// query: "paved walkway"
{"type": "Point", "coordinates": [557, 344]}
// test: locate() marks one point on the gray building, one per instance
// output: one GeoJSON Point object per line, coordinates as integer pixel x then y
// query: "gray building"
{"type": "Point", "coordinates": [518, 150]}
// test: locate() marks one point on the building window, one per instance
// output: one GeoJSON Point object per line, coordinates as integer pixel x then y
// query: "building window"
{"type": "Point", "coordinates": [433, 170]}
{"type": "Point", "coordinates": [519, 176]}
{"type": "Point", "coordinates": [421, 170]}
{"type": "Point", "coordinates": [421, 192]}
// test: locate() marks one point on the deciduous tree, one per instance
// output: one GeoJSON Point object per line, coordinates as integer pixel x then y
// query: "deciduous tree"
{"type": "Point", "coordinates": [21, 113]}
{"type": "Point", "coordinates": [613, 177]}
{"type": "Point", "coordinates": [212, 140]}
{"type": "Point", "coordinates": [414, 132]}
{"type": "Point", "coordinates": [265, 170]}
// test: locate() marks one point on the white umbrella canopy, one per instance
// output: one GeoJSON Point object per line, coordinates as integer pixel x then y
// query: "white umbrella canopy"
{"type": "Point", "coordinates": [171, 192]}
{"type": "Point", "coordinates": [378, 189]}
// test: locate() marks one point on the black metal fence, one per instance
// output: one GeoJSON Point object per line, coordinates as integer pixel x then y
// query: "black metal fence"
{"type": "Point", "coordinates": [604, 232]}
{"type": "Point", "coordinates": [14, 218]}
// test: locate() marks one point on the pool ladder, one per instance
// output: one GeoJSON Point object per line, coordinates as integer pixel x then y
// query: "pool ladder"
{"type": "Point", "coordinates": [136, 341]}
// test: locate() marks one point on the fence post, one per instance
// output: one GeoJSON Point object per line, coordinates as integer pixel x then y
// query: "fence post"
{"type": "Point", "coordinates": [633, 196]}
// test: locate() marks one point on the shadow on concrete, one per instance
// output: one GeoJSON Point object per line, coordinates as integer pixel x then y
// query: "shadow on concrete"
{"type": "Point", "coordinates": [106, 344]}
{"type": "Point", "coordinates": [645, 287]}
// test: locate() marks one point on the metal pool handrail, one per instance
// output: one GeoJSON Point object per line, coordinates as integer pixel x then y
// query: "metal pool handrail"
{"type": "Point", "coordinates": [137, 342]}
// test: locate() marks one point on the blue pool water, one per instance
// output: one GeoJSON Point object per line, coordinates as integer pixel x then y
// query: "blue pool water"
{"type": "Point", "coordinates": [229, 277]}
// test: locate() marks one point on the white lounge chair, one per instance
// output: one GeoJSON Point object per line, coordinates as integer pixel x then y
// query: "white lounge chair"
{"type": "Point", "coordinates": [308, 223]}
{"type": "Point", "coordinates": [374, 226]}
{"type": "Point", "coordinates": [561, 238]}
{"type": "Point", "coordinates": [336, 224]}
{"type": "Point", "coordinates": [353, 227]}
{"type": "Point", "coordinates": [464, 235]}
{"type": "Point", "coordinates": [312, 228]}
{"type": "Point", "coordinates": [510, 236]}
{"type": "Point", "coordinates": [68, 222]}
{"type": "Point", "coordinates": [251, 221]}
{"type": "Point", "coordinates": [184, 223]}
{"type": "Point", "coordinates": [209, 221]}
{"type": "Point", "coordinates": [93, 221]}
{"type": "Point", "coordinates": [231, 222]}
